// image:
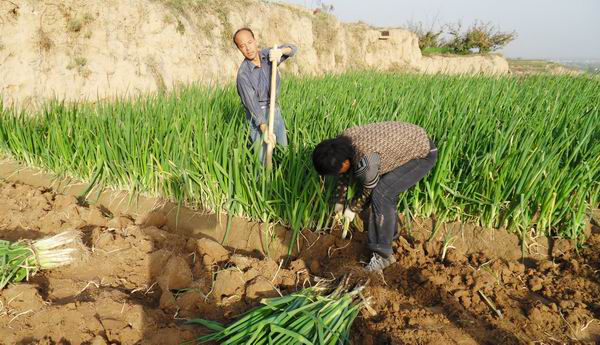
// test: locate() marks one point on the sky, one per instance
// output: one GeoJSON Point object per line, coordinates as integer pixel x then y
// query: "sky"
{"type": "Point", "coordinates": [551, 29]}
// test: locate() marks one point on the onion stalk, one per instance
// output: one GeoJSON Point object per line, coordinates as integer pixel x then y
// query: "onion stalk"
{"type": "Point", "coordinates": [23, 259]}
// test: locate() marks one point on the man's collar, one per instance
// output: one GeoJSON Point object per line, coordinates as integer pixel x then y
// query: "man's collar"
{"type": "Point", "coordinates": [249, 64]}
{"type": "Point", "coordinates": [263, 56]}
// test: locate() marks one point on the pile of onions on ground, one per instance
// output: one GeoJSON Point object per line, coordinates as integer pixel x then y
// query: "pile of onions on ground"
{"type": "Point", "coordinates": [309, 316]}
{"type": "Point", "coordinates": [22, 259]}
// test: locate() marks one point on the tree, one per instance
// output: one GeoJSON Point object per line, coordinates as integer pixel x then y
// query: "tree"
{"type": "Point", "coordinates": [486, 38]}
{"type": "Point", "coordinates": [480, 37]}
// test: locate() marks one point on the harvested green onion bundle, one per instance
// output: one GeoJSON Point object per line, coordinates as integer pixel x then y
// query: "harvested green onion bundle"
{"type": "Point", "coordinates": [23, 259]}
{"type": "Point", "coordinates": [304, 317]}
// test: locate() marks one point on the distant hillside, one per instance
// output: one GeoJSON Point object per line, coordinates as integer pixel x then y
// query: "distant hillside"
{"type": "Point", "coordinates": [591, 66]}
{"type": "Point", "coordinates": [523, 66]}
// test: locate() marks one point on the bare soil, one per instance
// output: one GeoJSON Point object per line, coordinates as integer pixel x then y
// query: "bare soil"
{"type": "Point", "coordinates": [142, 280]}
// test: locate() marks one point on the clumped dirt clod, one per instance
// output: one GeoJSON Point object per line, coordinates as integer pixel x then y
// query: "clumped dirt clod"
{"type": "Point", "coordinates": [176, 274]}
{"type": "Point", "coordinates": [142, 279]}
{"type": "Point", "coordinates": [211, 252]}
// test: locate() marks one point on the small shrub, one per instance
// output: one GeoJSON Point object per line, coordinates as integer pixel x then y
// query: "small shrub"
{"type": "Point", "coordinates": [80, 61]}
{"type": "Point", "coordinates": [428, 38]}
{"type": "Point", "coordinates": [451, 38]}
{"type": "Point", "coordinates": [74, 25]}
{"type": "Point", "coordinates": [486, 38]}
{"type": "Point", "coordinates": [167, 19]}
{"type": "Point", "coordinates": [44, 41]}
{"type": "Point", "coordinates": [180, 28]}
{"type": "Point", "coordinates": [77, 62]}
{"type": "Point", "coordinates": [456, 43]}
{"type": "Point", "coordinates": [480, 37]}
{"type": "Point", "coordinates": [88, 18]}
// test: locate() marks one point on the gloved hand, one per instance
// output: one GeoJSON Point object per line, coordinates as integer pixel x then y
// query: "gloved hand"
{"type": "Point", "coordinates": [338, 209]}
{"type": "Point", "coordinates": [348, 218]}
{"type": "Point", "coordinates": [275, 55]}
{"type": "Point", "coordinates": [349, 215]}
{"type": "Point", "coordinates": [269, 139]}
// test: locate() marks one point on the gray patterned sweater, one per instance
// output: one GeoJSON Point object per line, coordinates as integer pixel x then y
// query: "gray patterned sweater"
{"type": "Point", "coordinates": [380, 148]}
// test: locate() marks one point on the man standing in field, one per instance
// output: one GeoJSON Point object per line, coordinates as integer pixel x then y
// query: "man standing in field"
{"type": "Point", "coordinates": [387, 158]}
{"type": "Point", "coordinates": [253, 86]}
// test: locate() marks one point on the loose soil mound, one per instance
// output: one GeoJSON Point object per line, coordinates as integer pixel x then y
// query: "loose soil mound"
{"type": "Point", "coordinates": [142, 280]}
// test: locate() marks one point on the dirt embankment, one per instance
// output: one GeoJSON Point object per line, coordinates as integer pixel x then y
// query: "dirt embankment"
{"type": "Point", "coordinates": [79, 49]}
{"type": "Point", "coordinates": [143, 278]}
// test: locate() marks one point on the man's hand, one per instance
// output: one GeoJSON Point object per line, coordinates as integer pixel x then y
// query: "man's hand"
{"type": "Point", "coordinates": [264, 128]}
{"type": "Point", "coordinates": [349, 215]}
{"type": "Point", "coordinates": [272, 139]}
{"type": "Point", "coordinates": [275, 55]}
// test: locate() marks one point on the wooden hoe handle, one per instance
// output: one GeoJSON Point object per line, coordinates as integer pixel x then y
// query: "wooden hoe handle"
{"type": "Point", "coordinates": [270, 145]}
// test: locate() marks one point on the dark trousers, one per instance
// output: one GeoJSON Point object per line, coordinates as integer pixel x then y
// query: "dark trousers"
{"type": "Point", "coordinates": [383, 222]}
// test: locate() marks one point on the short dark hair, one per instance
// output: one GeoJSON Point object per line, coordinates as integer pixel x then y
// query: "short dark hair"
{"type": "Point", "coordinates": [330, 154]}
{"type": "Point", "coordinates": [240, 30]}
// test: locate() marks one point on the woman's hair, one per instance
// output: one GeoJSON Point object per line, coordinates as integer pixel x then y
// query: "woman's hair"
{"type": "Point", "coordinates": [330, 154]}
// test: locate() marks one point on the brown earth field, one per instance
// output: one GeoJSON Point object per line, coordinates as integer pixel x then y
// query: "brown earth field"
{"type": "Point", "coordinates": [141, 282]}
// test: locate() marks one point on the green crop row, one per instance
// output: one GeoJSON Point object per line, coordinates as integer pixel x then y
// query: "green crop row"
{"type": "Point", "coordinates": [515, 152]}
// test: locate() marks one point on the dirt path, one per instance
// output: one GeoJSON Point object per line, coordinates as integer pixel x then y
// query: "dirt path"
{"type": "Point", "coordinates": [141, 280]}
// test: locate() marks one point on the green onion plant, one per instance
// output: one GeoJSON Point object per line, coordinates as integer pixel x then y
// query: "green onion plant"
{"type": "Point", "coordinates": [305, 317]}
{"type": "Point", "coordinates": [23, 259]}
{"type": "Point", "coordinates": [519, 153]}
